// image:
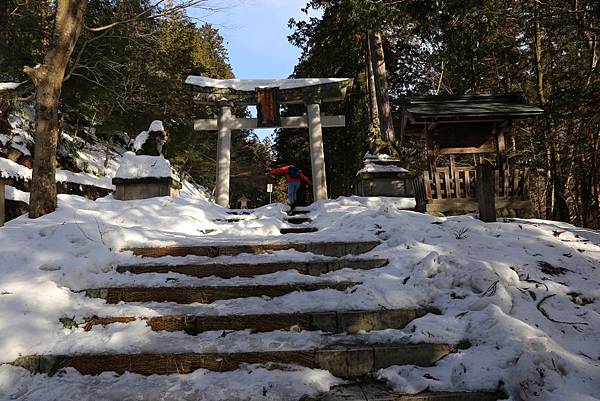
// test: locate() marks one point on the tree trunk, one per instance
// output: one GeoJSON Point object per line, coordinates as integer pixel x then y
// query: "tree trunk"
{"type": "Point", "coordinates": [381, 88]}
{"type": "Point", "coordinates": [374, 126]}
{"type": "Point", "coordinates": [3, 14]}
{"type": "Point", "coordinates": [555, 201]}
{"type": "Point", "coordinates": [48, 79]}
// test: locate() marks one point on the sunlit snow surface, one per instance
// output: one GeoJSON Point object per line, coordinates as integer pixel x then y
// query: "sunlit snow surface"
{"type": "Point", "coordinates": [487, 279]}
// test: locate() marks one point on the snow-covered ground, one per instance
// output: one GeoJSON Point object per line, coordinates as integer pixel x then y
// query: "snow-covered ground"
{"type": "Point", "coordinates": [524, 293]}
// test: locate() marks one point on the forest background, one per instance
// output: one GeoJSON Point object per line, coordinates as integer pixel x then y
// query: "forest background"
{"type": "Point", "coordinates": [122, 78]}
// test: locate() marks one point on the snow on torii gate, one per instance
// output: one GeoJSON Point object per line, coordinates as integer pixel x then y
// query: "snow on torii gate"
{"type": "Point", "coordinates": [268, 95]}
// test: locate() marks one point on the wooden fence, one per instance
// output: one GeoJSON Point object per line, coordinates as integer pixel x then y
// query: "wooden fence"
{"type": "Point", "coordinates": [459, 186]}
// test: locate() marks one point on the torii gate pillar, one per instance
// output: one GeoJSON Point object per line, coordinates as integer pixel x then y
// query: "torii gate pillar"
{"type": "Point", "coordinates": [223, 154]}
{"type": "Point", "coordinates": [317, 154]}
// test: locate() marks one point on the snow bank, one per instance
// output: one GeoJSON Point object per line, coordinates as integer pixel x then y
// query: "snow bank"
{"type": "Point", "coordinates": [524, 293]}
{"type": "Point", "coordinates": [4, 86]}
{"type": "Point", "coordinates": [10, 169]}
{"type": "Point", "coordinates": [252, 84]}
{"type": "Point", "coordinates": [133, 166]}
{"type": "Point", "coordinates": [13, 193]}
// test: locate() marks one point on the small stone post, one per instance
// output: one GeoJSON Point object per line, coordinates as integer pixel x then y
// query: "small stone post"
{"type": "Point", "coordinates": [2, 207]}
{"type": "Point", "coordinates": [317, 155]}
{"type": "Point", "coordinates": [223, 154]}
{"type": "Point", "coordinates": [486, 193]}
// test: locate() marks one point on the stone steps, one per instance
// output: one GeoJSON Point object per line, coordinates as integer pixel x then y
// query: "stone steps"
{"type": "Point", "coordinates": [374, 391]}
{"type": "Point", "coordinates": [296, 212]}
{"type": "Point", "coordinates": [298, 230]}
{"type": "Point", "coordinates": [336, 249]}
{"type": "Point", "coordinates": [341, 361]}
{"type": "Point", "coordinates": [207, 294]}
{"type": "Point", "coordinates": [336, 322]}
{"type": "Point", "coordinates": [298, 220]}
{"type": "Point", "coordinates": [312, 268]}
{"type": "Point", "coordinates": [345, 358]}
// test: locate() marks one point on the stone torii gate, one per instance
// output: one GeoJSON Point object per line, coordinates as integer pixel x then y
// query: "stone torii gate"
{"type": "Point", "coordinates": [268, 96]}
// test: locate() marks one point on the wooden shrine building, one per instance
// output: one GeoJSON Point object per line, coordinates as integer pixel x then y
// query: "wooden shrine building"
{"type": "Point", "coordinates": [268, 96]}
{"type": "Point", "coordinates": [462, 133]}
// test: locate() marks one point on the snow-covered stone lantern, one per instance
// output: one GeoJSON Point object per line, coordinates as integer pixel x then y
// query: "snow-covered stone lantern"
{"type": "Point", "coordinates": [146, 173]}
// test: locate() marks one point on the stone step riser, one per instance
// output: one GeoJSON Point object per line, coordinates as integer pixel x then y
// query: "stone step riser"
{"type": "Point", "coordinates": [350, 361]}
{"type": "Point", "coordinates": [250, 270]}
{"type": "Point", "coordinates": [298, 230]}
{"type": "Point", "coordinates": [335, 249]}
{"type": "Point", "coordinates": [298, 220]}
{"type": "Point", "coordinates": [378, 392]}
{"type": "Point", "coordinates": [296, 212]}
{"type": "Point", "coordinates": [332, 322]}
{"type": "Point", "coordinates": [205, 295]}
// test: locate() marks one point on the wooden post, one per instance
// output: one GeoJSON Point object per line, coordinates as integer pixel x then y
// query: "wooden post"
{"type": "Point", "coordinates": [486, 194]}
{"type": "Point", "coordinates": [317, 154]}
{"type": "Point", "coordinates": [223, 155]}
{"type": "Point", "coordinates": [2, 207]}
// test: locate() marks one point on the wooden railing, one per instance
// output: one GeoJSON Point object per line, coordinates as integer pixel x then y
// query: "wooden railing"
{"type": "Point", "coordinates": [460, 184]}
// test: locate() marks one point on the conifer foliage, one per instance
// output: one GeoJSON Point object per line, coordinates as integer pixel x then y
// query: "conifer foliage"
{"type": "Point", "coordinates": [547, 49]}
{"type": "Point", "coordinates": [125, 65]}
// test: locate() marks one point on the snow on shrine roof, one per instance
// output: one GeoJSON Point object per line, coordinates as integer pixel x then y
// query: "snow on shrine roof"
{"type": "Point", "coordinates": [512, 105]}
{"type": "Point", "coordinates": [252, 84]}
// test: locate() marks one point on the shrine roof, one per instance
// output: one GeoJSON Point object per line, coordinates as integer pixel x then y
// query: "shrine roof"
{"type": "Point", "coordinates": [427, 108]}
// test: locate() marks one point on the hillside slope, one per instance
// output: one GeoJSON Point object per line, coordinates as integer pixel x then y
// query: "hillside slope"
{"type": "Point", "coordinates": [524, 293]}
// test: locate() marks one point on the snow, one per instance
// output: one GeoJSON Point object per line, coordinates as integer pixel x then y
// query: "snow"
{"type": "Point", "coordinates": [142, 137]}
{"type": "Point", "coordinates": [10, 169]}
{"type": "Point", "coordinates": [380, 157]}
{"type": "Point", "coordinates": [140, 140]}
{"type": "Point", "coordinates": [156, 125]}
{"type": "Point", "coordinates": [133, 166]}
{"type": "Point", "coordinates": [381, 163]}
{"type": "Point", "coordinates": [380, 168]}
{"type": "Point", "coordinates": [252, 84]}
{"type": "Point", "coordinates": [487, 279]}
{"type": "Point", "coordinates": [4, 86]}
{"type": "Point", "coordinates": [13, 193]}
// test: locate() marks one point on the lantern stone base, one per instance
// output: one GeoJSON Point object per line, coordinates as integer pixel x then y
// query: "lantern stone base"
{"type": "Point", "coordinates": [397, 184]}
{"type": "Point", "coordinates": [147, 187]}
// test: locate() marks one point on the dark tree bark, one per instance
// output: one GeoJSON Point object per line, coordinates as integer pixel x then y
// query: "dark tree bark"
{"type": "Point", "coordinates": [3, 14]}
{"type": "Point", "coordinates": [381, 88]}
{"type": "Point", "coordinates": [374, 127]}
{"type": "Point", "coordinates": [556, 206]}
{"type": "Point", "coordinates": [48, 80]}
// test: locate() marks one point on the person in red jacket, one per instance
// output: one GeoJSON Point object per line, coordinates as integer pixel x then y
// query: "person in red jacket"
{"type": "Point", "coordinates": [294, 179]}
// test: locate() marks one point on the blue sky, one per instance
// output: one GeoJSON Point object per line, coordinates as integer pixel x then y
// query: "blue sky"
{"type": "Point", "coordinates": [255, 33]}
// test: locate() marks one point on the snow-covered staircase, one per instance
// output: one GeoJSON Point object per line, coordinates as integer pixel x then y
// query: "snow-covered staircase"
{"type": "Point", "coordinates": [345, 348]}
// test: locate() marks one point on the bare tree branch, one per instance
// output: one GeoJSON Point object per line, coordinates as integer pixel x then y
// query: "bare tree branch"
{"type": "Point", "coordinates": [148, 13]}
